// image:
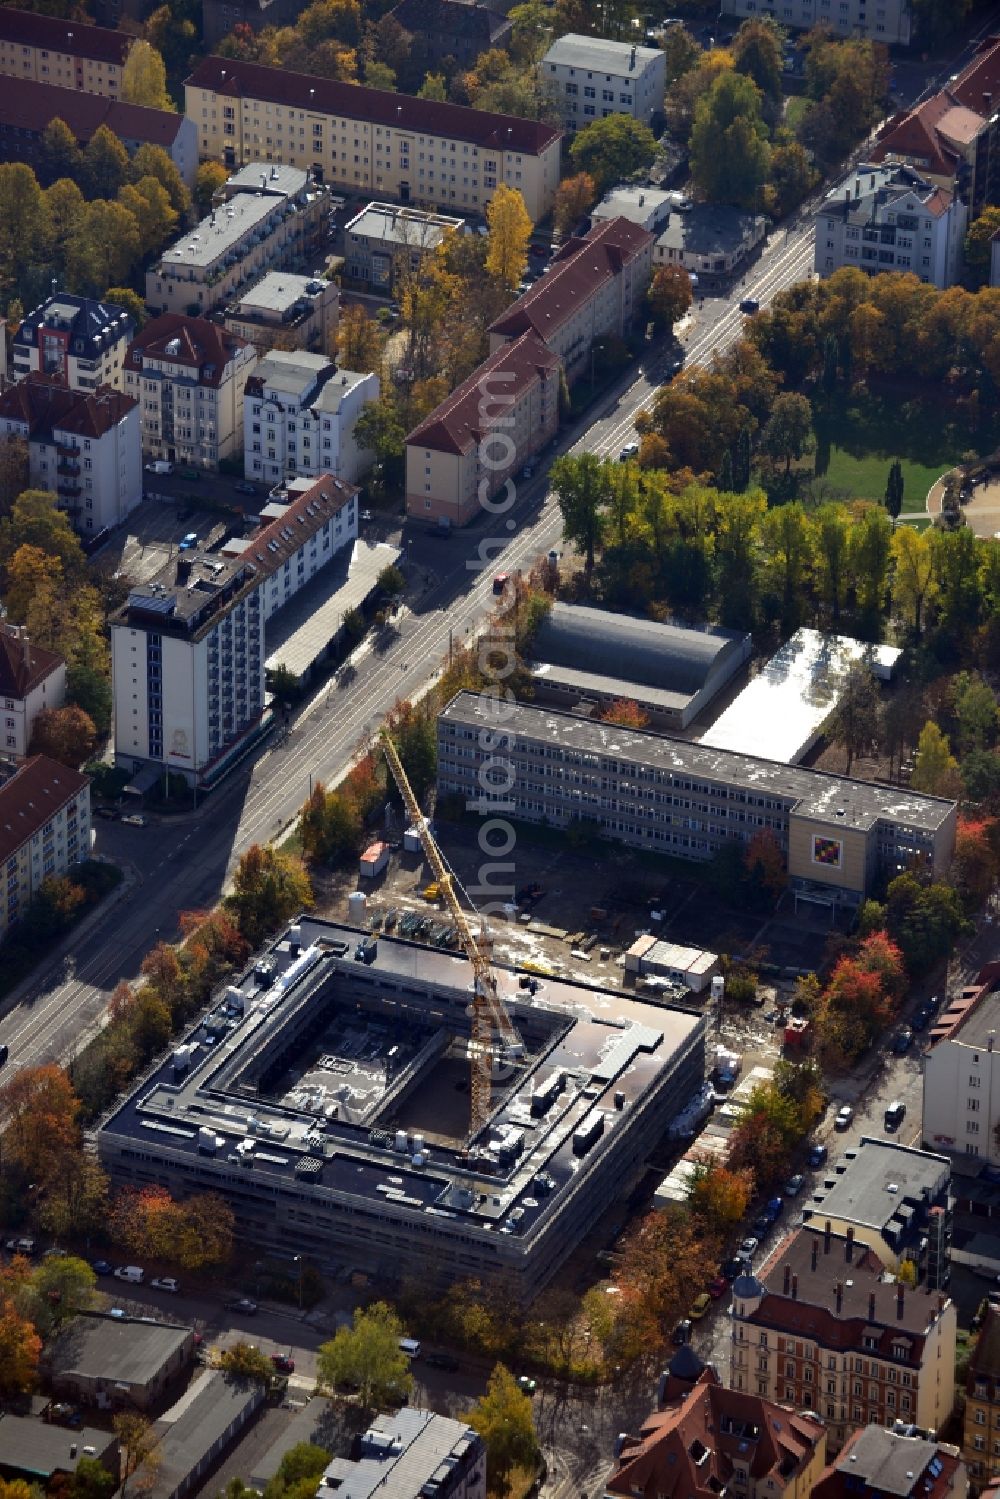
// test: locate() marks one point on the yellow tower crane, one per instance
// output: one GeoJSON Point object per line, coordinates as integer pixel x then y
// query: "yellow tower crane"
{"type": "Point", "coordinates": [494, 1034]}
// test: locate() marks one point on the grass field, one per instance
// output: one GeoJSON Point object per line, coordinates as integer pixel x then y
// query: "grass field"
{"type": "Point", "coordinates": [864, 478]}
{"type": "Point", "coordinates": [857, 441]}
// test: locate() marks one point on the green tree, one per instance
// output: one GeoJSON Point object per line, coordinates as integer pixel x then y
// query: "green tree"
{"type": "Point", "coordinates": [730, 155]}
{"type": "Point", "coordinates": [532, 27]}
{"type": "Point", "coordinates": [894, 489]}
{"type": "Point", "coordinates": [246, 1361]}
{"type": "Point", "coordinates": [787, 547]}
{"type": "Point", "coordinates": [612, 149]}
{"type": "Point", "coordinates": [975, 713]}
{"type": "Point", "coordinates": [832, 538]}
{"type": "Point", "coordinates": [105, 247]}
{"type": "Point", "coordinates": [367, 1357]}
{"type": "Point", "coordinates": [683, 53]}
{"type": "Point", "coordinates": [59, 153]}
{"type": "Point", "coordinates": [979, 246]}
{"type": "Point", "coordinates": [66, 209]}
{"type": "Point", "coordinates": [924, 920]}
{"type": "Point", "coordinates": [91, 1480]}
{"type": "Point", "coordinates": [935, 769]}
{"type": "Point", "coordinates": [509, 232]}
{"type": "Point", "coordinates": [434, 87]}
{"type": "Point", "coordinates": [581, 488]}
{"type": "Point", "coordinates": [105, 164]}
{"type": "Point", "coordinates": [792, 175]}
{"type": "Point", "coordinates": [380, 428]}
{"type": "Point", "coordinates": [268, 887]}
{"type": "Point", "coordinates": [299, 1472]}
{"type": "Point", "coordinates": [35, 520]}
{"type": "Point", "coordinates": [56, 1291]}
{"type": "Point", "coordinates": [757, 53]}
{"type": "Point", "coordinates": [23, 223]}
{"type": "Point", "coordinates": [144, 78]}
{"type": "Point", "coordinates": [505, 1421]}
{"type": "Point", "coordinates": [148, 203]}
{"type": "Point", "coordinates": [855, 720]}
{"type": "Point", "coordinates": [153, 161]}
{"type": "Point", "coordinates": [211, 175]}
{"type": "Point", "coordinates": [130, 302]}
{"type": "Point", "coordinates": [870, 544]}
{"type": "Point", "coordinates": [380, 75]}
{"type": "Point", "coordinates": [788, 434]}
{"type": "Point", "coordinates": [915, 584]}
{"type": "Point", "coordinates": [669, 295]}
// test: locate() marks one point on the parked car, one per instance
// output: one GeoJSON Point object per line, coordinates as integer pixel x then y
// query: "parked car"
{"type": "Point", "coordinates": [165, 1283]}
{"type": "Point", "coordinates": [921, 1019]}
{"type": "Point", "coordinates": [729, 1269]}
{"type": "Point", "coordinates": [132, 1273]}
{"type": "Point", "coordinates": [902, 1041]}
{"type": "Point", "coordinates": [191, 474]}
{"type": "Point", "coordinates": [283, 1362]}
{"type": "Point", "coordinates": [700, 1306]}
{"type": "Point", "coordinates": [682, 1332]}
{"type": "Point", "coordinates": [718, 1287]}
{"type": "Point", "coordinates": [187, 542]}
{"type": "Point", "coordinates": [55, 1253]}
{"type": "Point", "coordinates": [750, 1245]}
{"type": "Point", "coordinates": [100, 1267]}
{"type": "Point", "coordinates": [845, 1114]}
{"type": "Point", "coordinates": [242, 1304]}
{"type": "Point", "coordinates": [794, 1185]}
{"type": "Point", "coordinates": [762, 1225]}
{"type": "Point", "coordinates": [500, 583]}
{"type": "Point", "coordinates": [894, 1116]}
{"type": "Point", "coordinates": [526, 1385]}
{"type": "Point", "coordinates": [630, 450]}
{"type": "Point", "coordinates": [774, 1209]}
{"type": "Point", "coordinates": [134, 819]}
{"type": "Point", "coordinates": [4, 1054]}
{"type": "Point", "coordinates": [245, 487]}
{"type": "Point", "coordinates": [817, 1155]}
{"type": "Point", "coordinates": [108, 812]}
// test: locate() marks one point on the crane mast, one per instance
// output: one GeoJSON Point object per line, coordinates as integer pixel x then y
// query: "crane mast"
{"type": "Point", "coordinates": [494, 1034]}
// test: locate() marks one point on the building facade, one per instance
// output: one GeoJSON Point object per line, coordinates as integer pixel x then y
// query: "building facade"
{"type": "Point", "coordinates": [961, 1100]}
{"type": "Point", "coordinates": [189, 376]}
{"type": "Point", "coordinates": [411, 1453]}
{"type": "Point", "coordinates": [44, 829]}
{"type": "Point", "coordinates": [188, 649]}
{"type": "Point", "coordinates": [85, 446]}
{"type": "Point", "coordinates": [383, 237]}
{"type": "Point", "coordinates": [298, 419]}
{"type": "Point", "coordinates": [901, 1463]}
{"type": "Point", "coordinates": [466, 450]}
{"type": "Point", "coordinates": [75, 340]}
{"type": "Point", "coordinates": [821, 1329]}
{"type": "Point", "coordinates": [452, 29]}
{"type": "Point", "coordinates": [981, 1422]}
{"type": "Point", "coordinates": [594, 288]}
{"type": "Point", "coordinates": [592, 78]}
{"type": "Point", "coordinates": [366, 140]}
{"type": "Point", "coordinates": [268, 218]}
{"type": "Point", "coordinates": [649, 791]}
{"type": "Point", "coordinates": [26, 108]}
{"type": "Point", "coordinates": [69, 54]}
{"type": "Point", "coordinates": [30, 679]}
{"type": "Point", "coordinates": [218, 17]}
{"type": "Point", "coordinates": [116, 1362]}
{"type": "Point", "coordinates": [708, 240]}
{"type": "Point", "coordinates": [888, 21]}
{"type": "Point", "coordinates": [288, 312]}
{"type": "Point", "coordinates": [889, 218]}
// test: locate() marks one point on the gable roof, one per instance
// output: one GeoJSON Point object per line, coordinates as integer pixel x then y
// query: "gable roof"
{"type": "Point", "coordinates": [22, 665]}
{"type": "Point", "coordinates": [932, 136]}
{"type": "Point", "coordinates": [977, 86]}
{"type": "Point", "coordinates": [491, 132]}
{"type": "Point", "coordinates": [32, 106]}
{"type": "Point", "coordinates": [36, 790]}
{"type": "Point", "coordinates": [42, 403]}
{"type": "Point", "coordinates": [891, 1464]}
{"type": "Point", "coordinates": [201, 344]}
{"type": "Point", "coordinates": [580, 269]}
{"type": "Point", "coordinates": [452, 18]}
{"type": "Point", "coordinates": [78, 38]}
{"type": "Point", "coordinates": [458, 423]}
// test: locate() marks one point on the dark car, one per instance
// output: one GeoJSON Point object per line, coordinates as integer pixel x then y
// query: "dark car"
{"type": "Point", "coordinates": [109, 812]}
{"type": "Point", "coordinates": [729, 1269]}
{"type": "Point", "coordinates": [817, 1155]}
{"type": "Point", "coordinates": [283, 1363]}
{"type": "Point", "coordinates": [191, 474]}
{"type": "Point", "coordinates": [682, 1332]}
{"type": "Point", "coordinates": [245, 487]}
{"type": "Point", "coordinates": [749, 305]}
{"type": "Point", "coordinates": [100, 1267]}
{"type": "Point", "coordinates": [4, 1054]}
{"type": "Point", "coordinates": [442, 1361]}
{"type": "Point", "coordinates": [242, 1304]}
{"type": "Point", "coordinates": [921, 1020]}
{"type": "Point", "coordinates": [902, 1042]}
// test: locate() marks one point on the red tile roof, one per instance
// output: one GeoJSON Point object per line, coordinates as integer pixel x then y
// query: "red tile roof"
{"type": "Point", "coordinates": [980, 78]}
{"type": "Point", "coordinates": [458, 423]}
{"type": "Point", "coordinates": [491, 132]}
{"type": "Point", "coordinates": [691, 1448]}
{"type": "Point", "coordinates": [43, 403]}
{"type": "Point", "coordinates": [914, 138]}
{"type": "Point", "coordinates": [31, 106]}
{"type": "Point", "coordinates": [22, 665]}
{"type": "Point", "coordinates": [29, 29]}
{"type": "Point", "coordinates": [281, 538]}
{"type": "Point", "coordinates": [580, 269]}
{"type": "Point", "coordinates": [34, 793]}
{"type": "Point", "coordinates": [203, 345]}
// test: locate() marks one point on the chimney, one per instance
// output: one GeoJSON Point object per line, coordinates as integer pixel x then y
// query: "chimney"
{"type": "Point", "coordinates": [900, 1301]}
{"type": "Point", "coordinates": [849, 1246]}
{"type": "Point", "coordinates": [788, 1278]}
{"type": "Point", "coordinates": [795, 1288]}
{"type": "Point", "coordinates": [827, 1231]}
{"type": "Point", "coordinates": [871, 1306]}
{"type": "Point", "coordinates": [631, 62]}
{"type": "Point", "coordinates": [815, 1250]}
{"type": "Point", "coordinates": [987, 103]}
{"type": "Point", "coordinates": [840, 1297]}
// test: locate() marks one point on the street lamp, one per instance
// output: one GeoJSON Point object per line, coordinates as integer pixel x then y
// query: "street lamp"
{"type": "Point", "coordinates": [297, 1260]}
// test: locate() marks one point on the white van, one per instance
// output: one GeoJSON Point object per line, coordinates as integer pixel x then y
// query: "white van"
{"type": "Point", "coordinates": [410, 1347]}
{"type": "Point", "coordinates": [132, 1273]}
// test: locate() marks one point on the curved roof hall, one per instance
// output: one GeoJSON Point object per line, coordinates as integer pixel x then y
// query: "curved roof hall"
{"type": "Point", "coordinates": [669, 657]}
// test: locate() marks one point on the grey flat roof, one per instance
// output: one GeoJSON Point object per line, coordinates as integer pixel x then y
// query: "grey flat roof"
{"type": "Point", "coordinates": [400, 1455]}
{"type": "Point", "coordinates": [886, 1462]}
{"type": "Point", "coordinates": [277, 291]}
{"type": "Point", "coordinates": [982, 1022]}
{"type": "Point", "coordinates": [36, 1447]}
{"type": "Point", "coordinates": [292, 370]}
{"type": "Point", "coordinates": [590, 684]}
{"type": "Point", "coordinates": [811, 792]}
{"type": "Point", "coordinates": [600, 55]}
{"type": "Point", "coordinates": [668, 656]}
{"type": "Point", "coordinates": [120, 1350]}
{"type": "Point", "coordinates": [402, 227]}
{"type": "Point", "coordinates": [861, 1194]}
{"type": "Point", "coordinates": [709, 229]}
{"type": "Point", "coordinates": [300, 632]}
{"type": "Point", "coordinates": [200, 1417]}
{"type": "Point", "coordinates": [281, 179]}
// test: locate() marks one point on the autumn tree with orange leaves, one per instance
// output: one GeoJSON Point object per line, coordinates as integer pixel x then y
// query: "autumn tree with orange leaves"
{"type": "Point", "coordinates": [668, 1258]}
{"type": "Point", "coordinates": [42, 1111]}
{"type": "Point", "coordinates": [719, 1195]}
{"type": "Point", "coordinates": [192, 1234]}
{"type": "Point", "coordinates": [626, 714]}
{"type": "Point", "coordinates": [975, 864]}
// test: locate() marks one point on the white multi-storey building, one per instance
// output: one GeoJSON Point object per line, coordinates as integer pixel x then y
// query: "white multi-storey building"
{"type": "Point", "coordinates": [84, 446]}
{"type": "Point", "coordinates": [592, 77]}
{"type": "Point", "coordinates": [888, 21]}
{"type": "Point", "coordinates": [44, 829]}
{"type": "Point", "coordinates": [189, 375]}
{"type": "Point", "coordinates": [298, 418]}
{"type": "Point", "coordinates": [961, 1111]}
{"type": "Point", "coordinates": [188, 647]}
{"type": "Point", "coordinates": [889, 218]}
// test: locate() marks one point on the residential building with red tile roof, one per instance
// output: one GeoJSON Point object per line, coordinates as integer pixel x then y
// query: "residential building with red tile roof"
{"type": "Point", "coordinates": [482, 435]}
{"type": "Point", "coordinates": [190, 374]}
{"type": "Point", "coordinates": [367, 140]}
{"type": "Point", "coordinates": [888, 217]}
{"type": "Point", "coordinates": [981, 1420]}
{"type": "Point", "coordinates": [823, 1329]}
{"type": "Point", "coordinates": [902, 1463]}
{"type": "Point", "coordinates": [83, 445]}
{"type": "Point", "coordinates": [707, 1440]}
{"type": "Point", "coordinates": [70, 54]}
{"type": "Point", "coordinates": [44, 829]}
{"type": "Point", "coordinates": [30, 679]}
{"type": "Point", "coordinates": [27, 107]}
{"type": "Point", "coordinates": [593, 288]}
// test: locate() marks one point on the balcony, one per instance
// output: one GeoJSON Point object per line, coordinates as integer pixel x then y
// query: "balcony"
{"type": "Point", "coordinates": [65, 467]}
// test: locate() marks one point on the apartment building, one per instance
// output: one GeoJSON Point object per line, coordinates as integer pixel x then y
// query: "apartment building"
{"type": "Point", "coordinates": [299, 415]}
{"type": "Point", "coordinates": [189, 376]}
{"type": "Point", "coordinates": [981, 1422]}
{"type": "Point", "coordinates": [689, 799]}
{"type": "Point", "coordinates": [219, 17]}
{"type": "Point", "coordinates": [709, 1440]}
{"type": "Point", "coordinates": [288, 312]}
{"type": "Point", "coordinates": [594, 287]}
{"type": "Point", "coordinates": [371, 141]}
{"type": "Point", "coordinates": [961, 1099]}
{"type": "Point", "coordinates": [27, 108]}
{"type": "Point", "coordinates": [491, 425]}
{"type": "Point", "coordinates": [898, 1200]}
{"type": "Point", "coordinates": [442, 1459]}
{"type": "Point", "coordinates": [383, 237]}
{"type": "Point", "coordinates": [452, 29]}
{"type": "Point", "coordinates": [30, 679]}
{"type": "Point", "coordinates": [188, 649]}
{"type": "Point", "coordinates": [902, 1463]}
{"type": "Point", "coordinates": [83, 445]}
{"type": "Point", "coordinates": [822, 1329]}
{"type": "Point", "coordinates": [44, 829]}
{"type": "Point", "coordinates": [69, 54]}
{"type": "Point", "coordinates": [708, 240]}
{"type": "Point", "coordinates": [592, 77]}
{"type": "Point", "coordinates": [77, 341]}
{"type": "Point", "coordinates": [890, 218]}
{"type": "Point", "coordinates": [267, 218]}
{"type": "Point", "coordinates": [888, 21]}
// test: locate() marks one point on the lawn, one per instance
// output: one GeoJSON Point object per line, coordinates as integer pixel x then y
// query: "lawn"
{"type": "Point", "coordinates": [857, 441]}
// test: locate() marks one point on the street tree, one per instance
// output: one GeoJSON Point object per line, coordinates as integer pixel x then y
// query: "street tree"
{"type": "Point", "coordinates": [613, 149]}
{"type": "Point", "coordinates": [854, 723]}
{"type": "Point", "coordinates": [505, 1421]}
{"type": "Point", "coordinates": [268, 887]}
{"type": "Point", "coordinates": [59, 1288]}
{"type": "Point", "coordinates": [366, 1357]}
{"type": "Point", "coordinates": [581, 488]}
{"type": "Point", "coordinates": [718, 1194]}
{"type": "Point", "coordinates": [41, 1112]}
{"type": "Point", "coordinates": [509, 232]}
{"type": "Point", "coordinates": [144, 78]}
{"type": "Point", "coordinates": [669, 296]}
